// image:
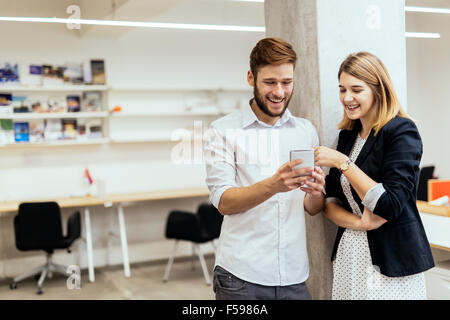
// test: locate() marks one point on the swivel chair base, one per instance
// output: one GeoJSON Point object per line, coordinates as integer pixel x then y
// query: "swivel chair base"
{"type": "Point", "coordinates": [43, 271]}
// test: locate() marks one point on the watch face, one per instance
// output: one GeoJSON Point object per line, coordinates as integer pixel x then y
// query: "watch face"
{"type": "Point", "coordinates": [344, 166]}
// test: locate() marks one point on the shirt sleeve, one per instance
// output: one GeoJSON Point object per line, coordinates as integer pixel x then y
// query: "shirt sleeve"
{"type": "Point", "coordinates": [220, 164]}
{"type": "Point", "coordinates": [372, 196]}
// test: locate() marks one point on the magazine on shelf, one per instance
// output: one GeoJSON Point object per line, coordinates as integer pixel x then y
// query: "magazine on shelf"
{"type": "Point", "coordinates": [53, 130]}
{"type": "Point", "coordinates": [69, 128]}
{"type": "Point", "coordinates": [73, 73]}
{"type": "Point", "coordinates": [9, 73]}
{"type": "Point", "coordinates": [82, 129]}
{"type": "Point", "coordinates": [94, 129]}
{"type": "Point", "coordinates": [5, 103]}
{"type": "Point", "coordinates": [73, 104]}
{"type": "Point", "coordinates": [19, 104]}
{"type": "Point", "coordinates": [94, 72]}
{"type": "Point", "coordinates": [31, 74]}
{"type": "Point", "coordinates": [37, 128]}
{"type": "Point", "coordinates": [52, 75]}
{"type": "Point", "coordinates": [92, 101]}
{"type": "Point", "coordinates": [6, 131]}
{"type": "Point", "coordinates": [21, 132]}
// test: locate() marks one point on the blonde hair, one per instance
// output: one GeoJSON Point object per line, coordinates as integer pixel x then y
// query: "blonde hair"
{"type": "Point", "coordinates": [368, 68]}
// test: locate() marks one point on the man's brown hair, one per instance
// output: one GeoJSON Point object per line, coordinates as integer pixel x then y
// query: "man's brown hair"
{"type": "Point", "coordinates": [271, 51]}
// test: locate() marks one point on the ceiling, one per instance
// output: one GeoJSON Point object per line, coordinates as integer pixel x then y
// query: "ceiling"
{"type": "Point", "coordinates": [225, 12]}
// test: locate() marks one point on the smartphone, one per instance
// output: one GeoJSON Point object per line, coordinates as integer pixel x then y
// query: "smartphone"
{"type": "Point", "coordinates": [307, 155]}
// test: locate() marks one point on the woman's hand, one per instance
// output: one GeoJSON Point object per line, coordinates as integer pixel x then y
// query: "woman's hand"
{"type": "Point", "coordinates": [315, 188]}
{"type": "Point", "coordinates": [371, 221]}
{"type": "Point", "coordinates": [327, 157]}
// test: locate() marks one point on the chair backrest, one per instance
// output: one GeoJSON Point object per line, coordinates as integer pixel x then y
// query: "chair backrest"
{"type": "Point", "coordinates": [425, 174]}
{"type": "Point", "coordinates": [38, 226]}
{"type": "Point", "coordinates": [211, 219]}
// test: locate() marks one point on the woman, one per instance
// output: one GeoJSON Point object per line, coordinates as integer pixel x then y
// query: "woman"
{"type": "Point", "coordinates": [381, 250]}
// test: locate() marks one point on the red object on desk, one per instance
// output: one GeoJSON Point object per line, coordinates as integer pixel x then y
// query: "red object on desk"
{"type": "Point", "coordinates": [438, 189]}
{"type": "Point", "coordinates": [88, 176]}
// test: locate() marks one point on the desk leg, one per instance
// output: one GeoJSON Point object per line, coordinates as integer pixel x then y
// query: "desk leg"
{"type": "Point", "coordinates": [87, 221]}
{"type": "Point", "coordinates": [123, 239]}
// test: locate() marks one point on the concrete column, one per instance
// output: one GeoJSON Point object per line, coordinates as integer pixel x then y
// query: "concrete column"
{"type": "Point", "coordinates": [323, 33]}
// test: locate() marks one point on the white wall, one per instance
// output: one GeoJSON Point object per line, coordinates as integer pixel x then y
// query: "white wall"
{"type": "Point", "coordinates": [146, 57]}
{"type": "Point", "coordinates": [428, 75]}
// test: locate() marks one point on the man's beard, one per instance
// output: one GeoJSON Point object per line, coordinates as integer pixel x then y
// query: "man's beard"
{"type": "Point", "coordinates": [263, 106]}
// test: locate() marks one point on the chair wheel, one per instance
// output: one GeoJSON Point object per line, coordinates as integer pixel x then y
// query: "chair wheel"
{"type": "Point", "coordinates": [13, 285]}
{"type": "Point", "coordinates": [40, 291]}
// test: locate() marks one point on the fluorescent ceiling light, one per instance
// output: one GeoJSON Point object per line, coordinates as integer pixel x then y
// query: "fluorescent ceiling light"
{"type": "Point", "coordinates": [138, 24]}
{"type": "Point", "coordinates": [422, 35]}
{"type": "Point", "coordinates": [427, 9]}
{"type": "Point", "coordinates": [163, 25]}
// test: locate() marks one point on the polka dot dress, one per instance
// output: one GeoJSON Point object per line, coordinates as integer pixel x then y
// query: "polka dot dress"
{"type": "Point", "coordinates": [354, 276]}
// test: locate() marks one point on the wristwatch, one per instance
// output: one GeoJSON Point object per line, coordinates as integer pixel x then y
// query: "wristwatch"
{"type": "Point", "coordinates": [345, 165]}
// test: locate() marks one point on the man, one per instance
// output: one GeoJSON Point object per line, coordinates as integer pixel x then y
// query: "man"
{"type": "Point", "coordinates": [262, 246]}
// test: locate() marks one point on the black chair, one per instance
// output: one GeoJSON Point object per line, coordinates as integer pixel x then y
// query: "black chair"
{"type": "Point", "coordinates": [37, 226]}
{"type": "Point", "coordinates": [425, 174]}
{"type": "Point", "coordinates": [200, 227]}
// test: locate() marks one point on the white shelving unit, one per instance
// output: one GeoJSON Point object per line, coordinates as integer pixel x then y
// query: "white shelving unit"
{"type": "Point", "coordinates": [56, 115]}
{"type": "Point", "coordinates": [55, 88]}
{"type": "Point", "coordinates": [45, 92]}
{"type": "Point", "coordinates": [151, 114]}
{"type": "Point", "coordinates": [148, 115]}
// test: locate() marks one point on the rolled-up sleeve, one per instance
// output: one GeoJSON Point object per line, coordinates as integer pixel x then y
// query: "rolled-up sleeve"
{"type": "Point", "coordinates": [372, 196]}
{"type": "Point", "coordinates": [220, 164]}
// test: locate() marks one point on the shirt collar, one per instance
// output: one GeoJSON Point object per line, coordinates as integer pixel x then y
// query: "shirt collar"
{"type": "Point", "coordinates": [249, 117]}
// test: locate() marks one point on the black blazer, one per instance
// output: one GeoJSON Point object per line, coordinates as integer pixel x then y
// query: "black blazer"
{"type": "Point", "coordinates": [400, 246]}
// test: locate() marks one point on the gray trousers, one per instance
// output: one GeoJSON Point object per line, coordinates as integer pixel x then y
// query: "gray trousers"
{"type": "Point", "coordinates": [229, 287]}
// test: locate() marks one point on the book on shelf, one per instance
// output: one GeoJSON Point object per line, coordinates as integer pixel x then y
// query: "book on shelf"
{"type": "Point", "coordinates": [37, 128]}
{"type": "Point", "coordinates": [92, 101]}
{"type": "Point", "coordinates": [94, 72]}
{"type": "Point", "coordinates": [19, 104]}
{"type": "Point", "coordinates": [82, 129]}
{"type": "Point", "coordinates": [52, 75]}
{"type": "Point", "coordinates": [53, 130]}
{"type": "Point", "coordinates": [5, 103]}
{"type": "Point", "coordinates": [73, 104]}
{"type": "Point", "coordinates": [6, 131]}
{"type": "Point", "coordinates": [9, 73]}
{"type": "Point", "coordinates": [94, 129]}
{"type": "Point", "coordinates": [73, 73]}
{"type": "Point", "coordinates": [21, 131]}
{"type": "Point", "coordinates": [31, 74]}
{"type": "Point", "coordinates": [69, 128]}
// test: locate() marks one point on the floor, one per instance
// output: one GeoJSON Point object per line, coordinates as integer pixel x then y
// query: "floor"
{"type": "Point", "coordinates": [110, 284]}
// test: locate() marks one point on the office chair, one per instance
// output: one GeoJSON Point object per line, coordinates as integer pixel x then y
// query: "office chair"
{"type": "Point", "coordinates": [200, 227]}
{"type": "Point", "coordinates": [425, 174]}
{"type": "Point", "coordinates": [37, 226]}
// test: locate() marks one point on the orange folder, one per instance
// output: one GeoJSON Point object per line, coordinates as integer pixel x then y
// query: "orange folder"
{"type": "Point", "coordinates": [438, 188]}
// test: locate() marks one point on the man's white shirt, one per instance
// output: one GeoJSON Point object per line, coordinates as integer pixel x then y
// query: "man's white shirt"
{"type": "Point", "coordinates": [266, 244]}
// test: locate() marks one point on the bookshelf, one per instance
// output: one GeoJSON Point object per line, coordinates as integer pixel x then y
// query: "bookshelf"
{"type": "Point", "coordinates": [165, 110]}
{"type": "Point", "coordinates": [38, 116]}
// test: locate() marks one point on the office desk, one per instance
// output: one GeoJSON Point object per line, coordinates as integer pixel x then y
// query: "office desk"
{"type": "Point", "coordinates": [115, 199]}
{"type": "Point", "coordinates": [436, 221]}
